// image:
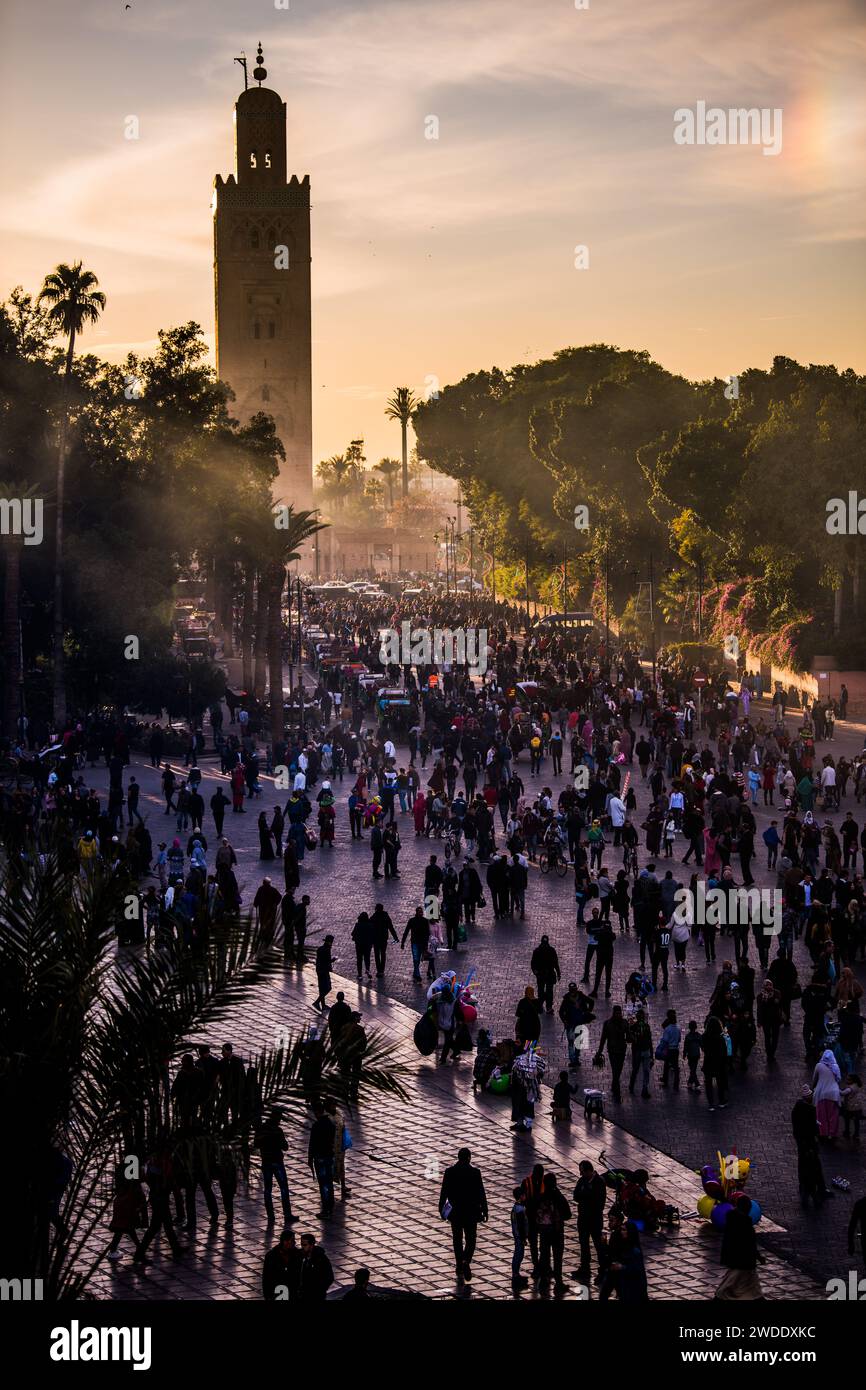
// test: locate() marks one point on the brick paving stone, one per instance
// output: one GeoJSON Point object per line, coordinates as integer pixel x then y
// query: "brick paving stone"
{"type": "Point", "coordinates": [673, 1134]}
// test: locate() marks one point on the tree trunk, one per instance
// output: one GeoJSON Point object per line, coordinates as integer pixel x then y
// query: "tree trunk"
{"type": "Point", "coordinates": [855, 585]}
{"type": "Point", "coordinates": [247, 627]}
{"type": "Point", "coordinates": [12, 638]}
{"type": "Point", "coordinates": [276, 582]}
{"type": "Point", "coordinates": [404, 427]}
{"type": "Point", "coordinates": [837, 608]}
{"type": "Point", "coordinates": [223, 577]}
{"type": "Point", "coordinates": [261, 649]}
{"type": "Point", "coordinates": [59, 670]}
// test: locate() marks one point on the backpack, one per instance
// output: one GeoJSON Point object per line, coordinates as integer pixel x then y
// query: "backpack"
{"type": "Point", "coordinates": [426, 1035]}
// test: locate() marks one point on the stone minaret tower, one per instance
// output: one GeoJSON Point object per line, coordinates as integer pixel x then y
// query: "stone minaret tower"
{"type": "Point", "coordinates": [262, 284]}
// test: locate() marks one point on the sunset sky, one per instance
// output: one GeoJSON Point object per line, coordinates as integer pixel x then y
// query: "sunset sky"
{"type": "Point", "coordinates": [443, 257]}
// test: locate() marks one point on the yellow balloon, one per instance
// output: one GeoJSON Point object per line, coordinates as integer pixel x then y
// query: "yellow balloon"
{"type": "Point", "coordinates": [744, 1167]}
{"type": "Point", "coordinates": [705, 1206]}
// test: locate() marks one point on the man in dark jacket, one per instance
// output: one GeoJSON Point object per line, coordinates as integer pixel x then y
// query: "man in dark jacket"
{"type": "Point", "coordinates": [324, 965]}
{"type": "Point", "coordinates": [281, 1270]}
{"type": "Point", "coordinates": [272, 1145]}
{"type": "Point", "coordinates": [383, 928]}
{"type": "Point", "coordinates": [544, 965]}
{"type": "Point", "coordinates": [804, 1125]}
{"type": "Point", "coordinates": [590, 1195]}
{"type": "Point", "coordinates": [463, 1202]}
{"type": "Point", "coordinates": [418, 929]}
{"type": "Point", "coordinates": [320, 1156]}
{"type": "Point", "coordinates": [218, 803]}
{"type": "Point", "coordinates": [470, 889]}
{"type": "Point", "coordinates": [340, 1015]}
{"type": "Point", "coordinates": [315, 1275]}
{"type": "Point", "coordinates": [497, 882]}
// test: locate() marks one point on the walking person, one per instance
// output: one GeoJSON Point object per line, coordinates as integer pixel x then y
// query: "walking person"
{"type": "Point", "coordinates": [218, 803]}
{"type": "Point", "coordinates": [614, 1037]}
{"type": "Point", "coordinates": [544, 965]}
{"type": "Point", "coordinates": [383, 929]}
{"type": "Point", "coordinates": [715, 1049]}
{"type": "Point", "coordinates": [324, 966]}
{"type": "Point", "coordinates": [272, 1144]}
{"type": "Point", "coordinates": [463, 1202]}
{"type": "Point", "coordinates": [520, 1236]}
{"type": "Point", "coordinates": [640, 1037]}
{"type": "Point", "coordinates": [668, 1050]}
{"type": "Point", "coordinates": [590, 1196]}
{"type": "Point", "coordinates": [551, 1214]}
{"type": "Point", "coordinates": [740, 1256]}
{"type": "Point", "coordinates": [320, 1156]}
{"type": "Point", "coordinates": [128, 1212]}
{"type": "Point", "coordinates": [362, 935]}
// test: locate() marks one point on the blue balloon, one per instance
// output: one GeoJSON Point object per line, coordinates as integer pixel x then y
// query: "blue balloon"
{"type": "Point", "coordinates": [721, 1212]}
{"type": "Point", "coordinates": [754, 1213]}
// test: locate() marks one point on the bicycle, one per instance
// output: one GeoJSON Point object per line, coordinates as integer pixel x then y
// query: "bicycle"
{"type": "Point", "coordinates": [551, 857]}
{"type": "Point", "coordinates": [629, 861]}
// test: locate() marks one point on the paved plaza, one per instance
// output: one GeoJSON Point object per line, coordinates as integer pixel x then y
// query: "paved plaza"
{"type": "Point", "coordinates": [391, 1221]}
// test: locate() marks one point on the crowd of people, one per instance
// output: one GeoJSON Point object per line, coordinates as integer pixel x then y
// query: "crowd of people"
{"type": "Point", "coordinates": [593, 730]}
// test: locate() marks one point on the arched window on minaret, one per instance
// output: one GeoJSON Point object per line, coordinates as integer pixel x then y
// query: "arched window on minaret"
{"type": "Point", "coordinates": [272, 329]}
{"type": "Point", "coordinates": [254, 239]}
{"type": "Point", "coordinates": [257, 329]}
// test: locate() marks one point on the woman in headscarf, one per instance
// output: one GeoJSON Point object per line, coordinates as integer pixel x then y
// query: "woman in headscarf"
{"type": "Point", "coordinates": [825, 1093]}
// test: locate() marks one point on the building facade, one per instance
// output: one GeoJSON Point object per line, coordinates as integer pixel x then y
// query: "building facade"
{"type": "Point", "coordinates": [262, 284]}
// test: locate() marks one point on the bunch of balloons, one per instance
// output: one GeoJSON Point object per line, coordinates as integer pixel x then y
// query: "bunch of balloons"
{"type": "Point", "coordinates": [723, 1184]}
{"type": "Point", "coordinates": [467, 994]}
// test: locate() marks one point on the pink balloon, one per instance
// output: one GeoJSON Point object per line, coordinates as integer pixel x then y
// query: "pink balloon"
{"type": "Point", "coordinates": [470, 1013]}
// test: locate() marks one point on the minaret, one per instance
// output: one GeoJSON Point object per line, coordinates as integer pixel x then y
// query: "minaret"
{"type": "Point", "coordinates": [262, 284]}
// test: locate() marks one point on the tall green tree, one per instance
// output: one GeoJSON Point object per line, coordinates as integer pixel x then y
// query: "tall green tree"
{"type": "Point", "coordinates": [284, 534]}
{"type": "Point", "coordinates": [74, 301]}
{"type": "Point", "coordinates": [389, 468]}
{"type": "Point", "coordinates": [400, 407]}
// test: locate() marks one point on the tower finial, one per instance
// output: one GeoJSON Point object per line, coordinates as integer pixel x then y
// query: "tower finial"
{"type": "Point", "coordinates": [260, 72]}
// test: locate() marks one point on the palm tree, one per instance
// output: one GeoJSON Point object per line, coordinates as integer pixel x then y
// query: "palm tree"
{"type": "Point", "coordinates": [75, 301]}
{"type": "Point", "coordinates": [281, 544]}
{"type": "Point", "coordinates": [12, 622]}
{"type": "Point", "coordinates": [400, 407]}
{"type": "Point", "coordinates": [85, 1050]}
{"type": "Point", "coordinates": [389, 468]}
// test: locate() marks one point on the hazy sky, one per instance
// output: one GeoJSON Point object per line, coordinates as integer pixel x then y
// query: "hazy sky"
{"type": "Point", "coordinates": [438, 257]}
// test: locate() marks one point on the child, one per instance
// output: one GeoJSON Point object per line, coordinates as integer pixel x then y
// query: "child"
{"type": "Point", "coordinates": [562, 1093]}
{"type": "Point", "coordinates": [852, 1105]}
{"type": "Point", "coordinates": [436, 940]}
{"type": "Point", "coordinates": [670, 834]}
{"type": "Point", "coordinates": [128, 1212]}
{"type": "Point", "coordinates": [520, 1232]}
{"type": "Point", "coordinates": [692, 1054]}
